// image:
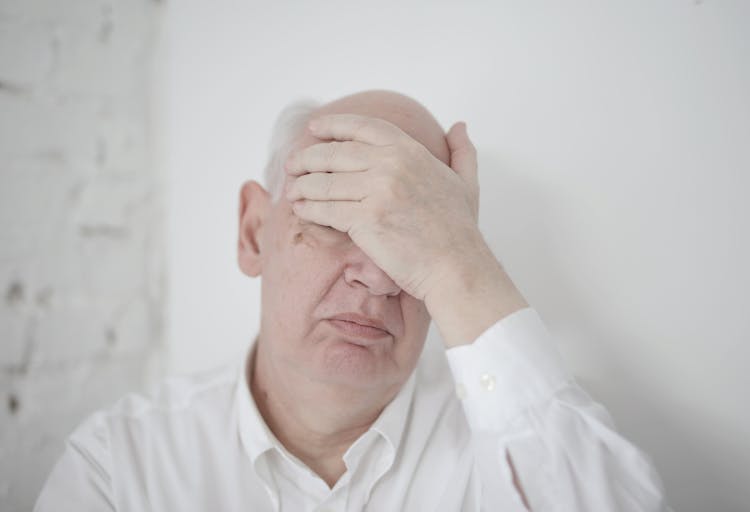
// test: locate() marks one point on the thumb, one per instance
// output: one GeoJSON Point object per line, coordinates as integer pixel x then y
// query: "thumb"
{"type": "Point", "coordinates": [463, 152]}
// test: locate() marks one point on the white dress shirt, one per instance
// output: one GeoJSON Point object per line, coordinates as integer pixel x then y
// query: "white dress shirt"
{"type": "Point", "coordinates": [200, 444]}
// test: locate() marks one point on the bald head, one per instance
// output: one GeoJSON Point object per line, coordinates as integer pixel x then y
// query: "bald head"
{"type": "Point", "coordinates": [405, 112]}
{"type": "Point", "coordinates": [289, 131]}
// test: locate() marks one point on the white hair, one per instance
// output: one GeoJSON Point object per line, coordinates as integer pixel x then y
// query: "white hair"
{"type": "Point", "coordinates": [289, 125]}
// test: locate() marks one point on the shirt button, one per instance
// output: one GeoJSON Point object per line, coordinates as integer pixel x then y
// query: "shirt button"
{"type": "Point", "coordinates": [487, 382]}
{"type": "Point", "coordinates": [460, 391]}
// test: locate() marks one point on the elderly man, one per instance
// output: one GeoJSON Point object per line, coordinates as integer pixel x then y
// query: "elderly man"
{"type": "Point", "coordinates": [367, 232]}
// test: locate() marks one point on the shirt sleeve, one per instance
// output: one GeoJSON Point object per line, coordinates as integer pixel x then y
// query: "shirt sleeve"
{"type": "Point", "coordinates": [520, 401]}
{"type": "Point", "coordinates": [80, 480]}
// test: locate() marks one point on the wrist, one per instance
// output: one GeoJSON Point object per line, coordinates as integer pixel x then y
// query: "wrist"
{"type": "Point", "coordinates": [470, 294]}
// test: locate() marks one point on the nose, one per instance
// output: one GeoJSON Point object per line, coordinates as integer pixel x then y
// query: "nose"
{"type": "Point", "coordinates": [362, 271]}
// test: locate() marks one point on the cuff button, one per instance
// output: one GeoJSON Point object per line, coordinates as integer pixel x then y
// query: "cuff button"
{"type": "Point", "coordinates": [487, 382]}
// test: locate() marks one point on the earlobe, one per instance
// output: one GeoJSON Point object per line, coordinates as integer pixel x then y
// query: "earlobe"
{"type": "Point", "coordinates": [254, 203]}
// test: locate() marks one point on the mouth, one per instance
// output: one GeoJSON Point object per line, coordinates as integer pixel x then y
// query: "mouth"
{"type": "Point", "coordinates": [359, 327]}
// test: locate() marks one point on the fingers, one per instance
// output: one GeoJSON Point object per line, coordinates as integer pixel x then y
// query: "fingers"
{"type": "Point", "coordinates": [463, 152]}
{"type": "Point", "coordinates": [370, 130]}
{"type": "Point", "coordinates": [331, 156]}
{"type": "Point", "coordinates": [337, 214]}
{"type": "Point", "coordinates": [326, 186]}
{"type": "Point", "coordinates": [464, 160]}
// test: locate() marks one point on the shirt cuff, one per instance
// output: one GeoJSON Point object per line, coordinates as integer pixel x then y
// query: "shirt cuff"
{"type": "Point", "coordinates": [512, 366]}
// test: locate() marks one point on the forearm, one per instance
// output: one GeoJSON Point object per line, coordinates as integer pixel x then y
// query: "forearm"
{"type": "Point", "coordinates": [520, 402]}
{"type": "Point", "coordinates": [471, 294]}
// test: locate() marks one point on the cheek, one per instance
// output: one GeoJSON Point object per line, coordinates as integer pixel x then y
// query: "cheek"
{"type": "Point", "coordinates": [302, 270]}
{"type": "Point", "coordinates": [415, 314]}
{"type": "Point", "coordinates": [416, 324]}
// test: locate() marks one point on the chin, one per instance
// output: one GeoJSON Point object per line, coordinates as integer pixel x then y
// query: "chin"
{"type": "Point", "coordinates": [353, 365]}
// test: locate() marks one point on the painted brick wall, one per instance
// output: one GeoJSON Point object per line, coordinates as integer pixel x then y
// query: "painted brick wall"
{"type": "Point", "coordinates": [81, 251]}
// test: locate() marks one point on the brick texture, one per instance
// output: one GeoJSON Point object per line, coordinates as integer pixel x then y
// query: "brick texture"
{"type": "Point", "coordinates": [81, 208]}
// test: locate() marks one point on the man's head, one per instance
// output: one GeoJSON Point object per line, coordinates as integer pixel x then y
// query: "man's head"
{"type": "Point", "coordinates": [314, 276]}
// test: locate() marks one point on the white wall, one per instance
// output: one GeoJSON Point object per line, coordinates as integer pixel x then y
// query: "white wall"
{"type": "Point", "coordinates": [614, 155]}
{"type": "Point", "coordinates": [81, 246]}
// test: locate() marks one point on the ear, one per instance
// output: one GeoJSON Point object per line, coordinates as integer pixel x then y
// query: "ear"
{"type": "Point", "coordinates": [254, 204]}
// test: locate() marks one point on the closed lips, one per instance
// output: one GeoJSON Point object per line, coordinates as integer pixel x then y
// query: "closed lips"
{"type": "Point", "coordinates": [359, 324]}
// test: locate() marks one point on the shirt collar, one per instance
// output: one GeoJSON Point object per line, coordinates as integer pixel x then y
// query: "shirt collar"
{"type": "Point", "coordinates": [392, 421]}
{"type": "Point", "coordinates": [255, 435]}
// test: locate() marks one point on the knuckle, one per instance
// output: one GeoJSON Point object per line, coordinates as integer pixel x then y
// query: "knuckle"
{"type": "Point", "coordinates": [371, 211]}
{"type": "Point", "coordinates": [418, 152]}
{"type": "Point", "coordinates": [398, 159]}
{"type": "Point", "coordinates": [397, 189]}
{"type": "Point", "coordinates": [378, 213]}
{"type": "Point", "coordinates": [359, 124]}
{"type": "Point", "coordinates": [394, 186]}
{"type": "Point", "coordinates": [390, 157]}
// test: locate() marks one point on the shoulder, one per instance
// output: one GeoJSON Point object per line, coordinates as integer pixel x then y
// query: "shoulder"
{"type": "Point", "coordinates": [140, 438]}
{"type": "Point", "coordinates": [114, 446]}
{"type": "Point", "coordinates": [175, 403]}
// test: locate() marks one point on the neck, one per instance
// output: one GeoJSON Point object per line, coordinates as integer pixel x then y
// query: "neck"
{"type": "Point", "coordinates": [315, 422]}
